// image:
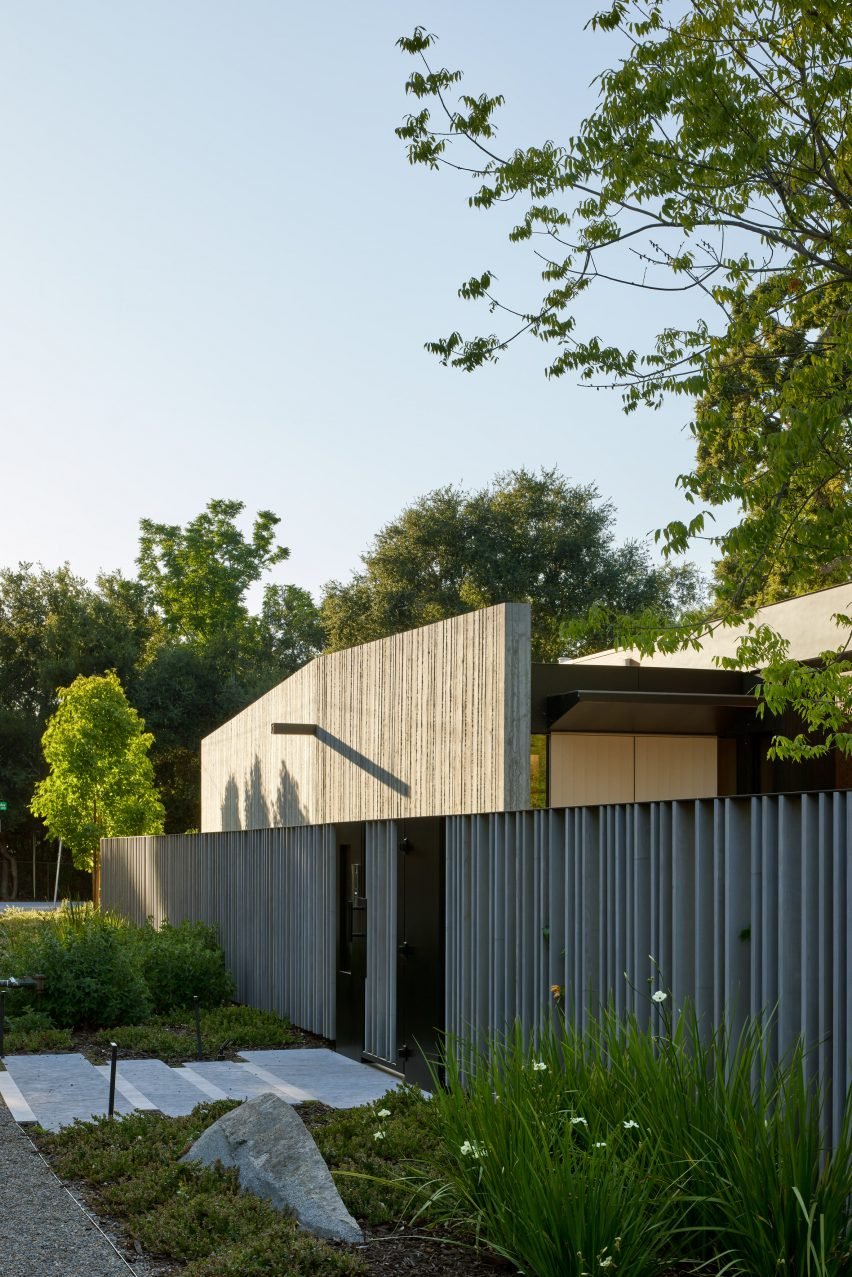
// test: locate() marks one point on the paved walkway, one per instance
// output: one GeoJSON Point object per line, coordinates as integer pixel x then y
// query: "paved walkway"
{"type": "Point", "coordinates": [55, 1090]}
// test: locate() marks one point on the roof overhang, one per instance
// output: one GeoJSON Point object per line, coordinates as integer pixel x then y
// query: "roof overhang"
{"type": "Point", "coordinates": [623, 710]}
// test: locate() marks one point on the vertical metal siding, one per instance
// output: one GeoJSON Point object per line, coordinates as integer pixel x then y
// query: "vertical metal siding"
{"type": "Point", "coordinates": [271, 893]}
{"type": "Point", "coordinates": [742, 905]}
{"type": "Point", "coordinates": [382, 849]}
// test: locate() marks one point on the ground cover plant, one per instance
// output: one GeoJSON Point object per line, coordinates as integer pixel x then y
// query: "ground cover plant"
{"type": "Point", "coordinates": [198, 1217]}
{"type": "Point", "coordinates": [642, 1150]}
{"type": "Point", "coordinates": [223, 1031]}
{"type": "Point", "coordinates": [186, 1212]}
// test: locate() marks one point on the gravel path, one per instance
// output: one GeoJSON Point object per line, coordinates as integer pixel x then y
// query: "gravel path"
{"type": "Point", "coordinates": [42, 1232]}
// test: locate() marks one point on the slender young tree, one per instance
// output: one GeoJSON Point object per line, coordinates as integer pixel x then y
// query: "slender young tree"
{"type": "Point", "coordinates": [101, 781]}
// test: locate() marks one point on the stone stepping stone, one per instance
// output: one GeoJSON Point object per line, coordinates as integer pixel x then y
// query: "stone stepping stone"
{"type": "Point", "coordinates": [58, 1089]}
{"type": "Point", "coordinates": [324, 1075]}
{"type": "Point", "coordinates": [225, 1080]}
{"type": "Point", "coordinates": [151, 1084]}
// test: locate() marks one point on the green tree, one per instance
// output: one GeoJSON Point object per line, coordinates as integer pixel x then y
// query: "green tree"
{"type": "Point", "coordinates": [212, 656]}
{"type": "Point", "coordinates": [198, 576]}
{"type": "Point", "coordinates": [527, 537]}
{"type": "Point", "coordinates": [101, 780]}
{"type": "Point", "coordinates": [716, 168]}
{"type": "Point", "coordinates": [54, 626]}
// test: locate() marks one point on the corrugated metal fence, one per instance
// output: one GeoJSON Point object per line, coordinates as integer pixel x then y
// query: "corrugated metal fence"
{"type": "Point", "coordinates": [742, 905]}
{"type": "Point", "coordinates": [271, 894]}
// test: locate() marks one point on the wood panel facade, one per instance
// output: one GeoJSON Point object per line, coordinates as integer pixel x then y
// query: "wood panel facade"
{"type": "Point", "coordinates": [430, 722]}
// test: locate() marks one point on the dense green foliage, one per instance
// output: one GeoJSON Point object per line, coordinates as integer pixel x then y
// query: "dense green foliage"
{"type": "Point", "coordinates": [526, 538]}
{"type": "Point", "coordinates": [99, 969]}
{"type": "Point", "coordinates": [180, 638]}
{"type": "Point", "coordinates": [180, 962]}
{"type": "Point", "coordinates": [638, 1148]}
{"type": "Point", "coordinates": [101, 781]}
{"type": "Point", "coordinates": [90, 975]}
{"type": "Point", "coordinates": [715, 169]}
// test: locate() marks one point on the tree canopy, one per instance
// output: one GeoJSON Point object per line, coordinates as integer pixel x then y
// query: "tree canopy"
{"type": "Point", "coordinates": [716, 168]}
{"type": "Point", "coordinates": [181, 638]}
{"type": "Point", "coordinates": [101, 780]}
{"type": "Point", "coordinates": [527, 537]}
{"type": "Point", "coordinates": [198, 576]}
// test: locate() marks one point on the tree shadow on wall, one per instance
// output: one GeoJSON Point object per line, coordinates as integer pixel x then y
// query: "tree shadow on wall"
{"type": "Point", "coordinates": [256, 808]}
{"type": "Point", "coordinates": [231, 806]}
{"type": "Point", "coordinates": [289, 809]}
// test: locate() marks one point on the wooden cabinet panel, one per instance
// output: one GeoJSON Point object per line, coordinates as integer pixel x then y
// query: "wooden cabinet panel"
{"type": "Point", "coordinates": [675, 767]}
{"type": "Point", "coordinates": [586, 769]}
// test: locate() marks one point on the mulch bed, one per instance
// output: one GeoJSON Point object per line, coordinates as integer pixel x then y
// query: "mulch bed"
{"type": "Point", "coordinates": [432, 1254]}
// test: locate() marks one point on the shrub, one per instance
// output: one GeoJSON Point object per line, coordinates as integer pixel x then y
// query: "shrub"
{"type": "Point", "coordinates": [91, 977]}
{"type": "Point", "coordinates": [181, 962]}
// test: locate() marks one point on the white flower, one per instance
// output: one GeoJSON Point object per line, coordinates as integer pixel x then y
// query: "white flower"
{"type": "Point", "coordinates": [630, 1125]}
{"type": "Point", "coordinates": [471, 1148]}
{"type": "Point", "coordinates": [659, 996]}
{"type": "Point", "coordinates": [384, 1113]}
{"type": "Point", "coordinates": [579, 1121]}
{"type": "Point", "coordinates": [606, 1262]}
{"type": "Point", "coordinates": [378, 1135]}
{"type": "Point", "coordinates": [539, 1066]}
{"type": "Point", "coordinates": [600, 1144]}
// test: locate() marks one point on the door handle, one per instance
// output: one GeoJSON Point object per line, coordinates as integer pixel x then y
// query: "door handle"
{"type": "Point", "coordinates": [403, 948]}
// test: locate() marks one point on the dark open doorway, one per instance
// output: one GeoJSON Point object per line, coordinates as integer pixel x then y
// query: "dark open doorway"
{"type": "Point", "coordinates": [351, 940]}
{"type": "Point", "coordinates": [420, 947]}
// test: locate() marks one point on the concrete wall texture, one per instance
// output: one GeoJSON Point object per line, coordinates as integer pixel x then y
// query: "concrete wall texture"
{"type": "Point", "coordinates": [435, 721]}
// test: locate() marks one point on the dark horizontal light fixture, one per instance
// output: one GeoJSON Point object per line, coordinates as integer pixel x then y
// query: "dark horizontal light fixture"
{"type": "Point", "coordinates": [294, 729]}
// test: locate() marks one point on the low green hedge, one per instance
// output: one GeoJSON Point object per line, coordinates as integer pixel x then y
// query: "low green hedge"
{"type": "Point", "coordinates": [101, 970]}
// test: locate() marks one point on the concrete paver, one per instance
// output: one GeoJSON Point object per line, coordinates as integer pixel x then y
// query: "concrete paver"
{"type": "Point", "coordinates": [61, 1088]}
{"type": "Point", "coordinates": [334, 1079]}
{"type": "Point", "coordinates": [55, 1090]}
{"type": "Point", "coordinates": [158, 1085]}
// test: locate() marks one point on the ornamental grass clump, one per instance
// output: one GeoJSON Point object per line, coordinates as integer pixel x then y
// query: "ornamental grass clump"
{"type": "Point", "coordinates": [635, 1148]}
{"type": "Point", "coordinates": [544, 1174]}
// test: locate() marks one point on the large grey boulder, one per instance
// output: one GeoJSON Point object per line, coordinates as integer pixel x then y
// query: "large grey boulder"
{"type": "Point", "coordinates": [277, 1159]}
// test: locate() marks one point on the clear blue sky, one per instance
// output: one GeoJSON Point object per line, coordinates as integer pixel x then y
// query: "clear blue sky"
{"type": "Point", "coordinates": [219, 270]}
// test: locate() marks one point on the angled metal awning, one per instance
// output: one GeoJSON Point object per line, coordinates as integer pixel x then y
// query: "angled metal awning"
{"type": "Point", "coordinates": [680, 713]}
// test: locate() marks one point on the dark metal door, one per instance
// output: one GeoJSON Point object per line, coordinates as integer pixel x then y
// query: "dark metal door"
{"type": "Point", "coordinates": [351, 939]}
{"type": "Point", "coordinates": [420, 936]}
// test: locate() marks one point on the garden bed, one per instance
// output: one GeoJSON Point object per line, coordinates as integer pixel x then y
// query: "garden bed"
{"type": "Point", "coordinates": [171, 1219]}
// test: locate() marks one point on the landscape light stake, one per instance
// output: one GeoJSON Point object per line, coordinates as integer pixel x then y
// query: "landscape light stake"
{"type": "Point", "coordinates": [197, 1026]}
{"type": "Point", "coordinates": [113, 1061]}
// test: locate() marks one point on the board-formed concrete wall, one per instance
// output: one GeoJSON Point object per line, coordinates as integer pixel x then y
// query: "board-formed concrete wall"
{"type": "Point", "coordinates": [430, 722]}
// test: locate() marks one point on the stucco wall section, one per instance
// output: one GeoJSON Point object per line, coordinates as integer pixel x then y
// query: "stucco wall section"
{"type": "Point", "coordinates": [430, 722]}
